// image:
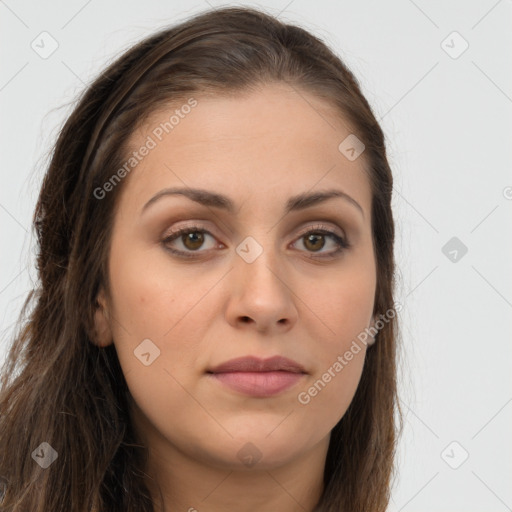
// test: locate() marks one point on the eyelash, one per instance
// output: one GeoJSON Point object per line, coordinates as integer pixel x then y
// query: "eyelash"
{"type": "Point", "coordinates": [342, 243]}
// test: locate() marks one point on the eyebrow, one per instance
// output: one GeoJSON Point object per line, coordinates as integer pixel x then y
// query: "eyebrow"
{"type": "Point", "coordinates": [216, 200]}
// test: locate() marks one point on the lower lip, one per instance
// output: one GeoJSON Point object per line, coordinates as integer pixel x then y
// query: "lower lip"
{"type": "Point", "coordinates": [258, 384]}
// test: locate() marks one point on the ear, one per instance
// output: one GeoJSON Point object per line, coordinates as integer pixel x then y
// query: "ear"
{"type": "Point", "coordinates": [103, 333]}
{"type": "Point", "coordinates": [371, 339]}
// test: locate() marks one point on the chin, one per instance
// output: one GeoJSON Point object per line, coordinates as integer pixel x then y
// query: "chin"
{"type": "Point", "coordinates": [256, 452]}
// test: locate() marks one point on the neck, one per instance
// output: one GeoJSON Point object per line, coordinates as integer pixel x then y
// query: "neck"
{"type": "Point", "coordinates": [178, 483]}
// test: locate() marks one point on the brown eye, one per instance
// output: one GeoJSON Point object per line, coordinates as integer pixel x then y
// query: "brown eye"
{"type": "Point", "coordinates": [314, 241]}
{"type": "Point", "coordinates": [193, 240]}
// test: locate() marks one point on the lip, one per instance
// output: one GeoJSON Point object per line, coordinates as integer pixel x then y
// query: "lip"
{"type": "Point", "coordinates": [255, 364]}
{"type": "Point", "coordinates": [258, 377]}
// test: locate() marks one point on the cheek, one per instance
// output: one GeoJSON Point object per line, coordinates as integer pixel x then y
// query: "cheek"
{"type": "Point", "coordinates": [150, 298]}
{"type": "Point", "coordinates": [328, 394]}
{"type": "Point", "coordinates": [147, 303]}
{"type": "Point", "coordinates": [345, 305]}
{"type": "Point", "coordinates": [159, 321]}
{"type": "Point", "coordinates": [345, 310]}
{"type": "Point", "coordinates": [167, 305]}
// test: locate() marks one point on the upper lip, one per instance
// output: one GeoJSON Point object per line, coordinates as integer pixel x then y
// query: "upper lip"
{"type": "Point", "coordinates": [255, 364]}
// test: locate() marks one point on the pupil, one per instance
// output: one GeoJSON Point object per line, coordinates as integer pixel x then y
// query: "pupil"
{"type": "Point", "coordinates": [313, 238]}
{"type": "Point", "coordinates": [196, 239]}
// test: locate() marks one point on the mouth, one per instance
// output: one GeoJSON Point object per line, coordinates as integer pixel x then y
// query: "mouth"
{"type": "Point", "coordinates": [256, 377]}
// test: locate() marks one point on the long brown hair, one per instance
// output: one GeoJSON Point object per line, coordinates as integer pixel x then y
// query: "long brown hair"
{"type": "Point", "coordinates": [60, 388]}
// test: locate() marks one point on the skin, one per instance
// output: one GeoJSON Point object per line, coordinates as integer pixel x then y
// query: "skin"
{"type": "Point", "coordinates": [259, 149]}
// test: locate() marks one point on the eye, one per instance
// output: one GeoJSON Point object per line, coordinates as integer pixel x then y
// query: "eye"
{"type": "Point", "coordinates": [314, 240]}
{"type": "Point", "coordinates": [192, 238]}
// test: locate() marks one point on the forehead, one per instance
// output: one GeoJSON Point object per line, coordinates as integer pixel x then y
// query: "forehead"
{"type": "Point", "coordinates": [276, 139]}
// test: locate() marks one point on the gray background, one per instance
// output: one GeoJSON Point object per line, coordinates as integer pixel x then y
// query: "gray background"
{"type": "Point", "coordinates": [447, 118]}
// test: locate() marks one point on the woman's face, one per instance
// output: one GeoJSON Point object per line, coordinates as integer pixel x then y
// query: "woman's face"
{"type": "Point", "coordinates": [258, 275]}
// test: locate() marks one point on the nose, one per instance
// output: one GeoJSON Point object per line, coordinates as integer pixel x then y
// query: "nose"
{"type": "Point", "coordinates": [260, 296]}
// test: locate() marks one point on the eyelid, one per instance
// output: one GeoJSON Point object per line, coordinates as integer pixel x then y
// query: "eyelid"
{"type": "Point", "coordinates": [320, 225]}
{"type": "Point", "coordinates": [199, 225]}
{"type": "Point", "coordinates": [306, 227]}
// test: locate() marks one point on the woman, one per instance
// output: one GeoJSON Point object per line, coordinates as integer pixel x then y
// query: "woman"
{"type": "Point", "coordinates": [214, 327]}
